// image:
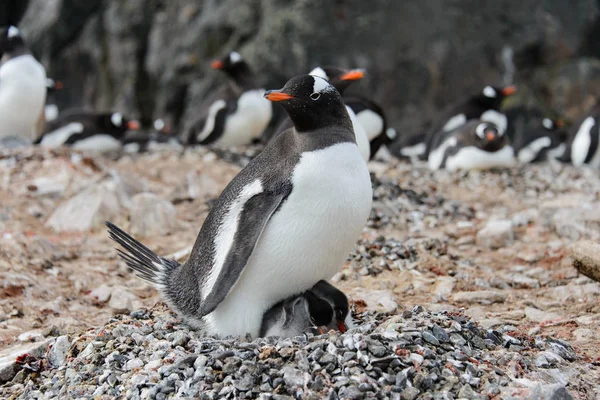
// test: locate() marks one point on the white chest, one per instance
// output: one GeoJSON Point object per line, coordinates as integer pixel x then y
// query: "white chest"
{"type": "Point", "coordinates": [249, 120]}
{"type": "Point", "coordinates": [531, 151]}
{"type": "Point", "coordinates": [307, 240]}
{"type": "Point", "coordinates": [372, 122]}
{"type": "Point", "coordinates": [471, 157]}
{"type": "Point", "coordinates": [497, 118]}
{"type": "Point", "coordinates": [58, 137]}
{"type": "Point", "coordinates": [582, 142]}
{"type": "Point", "coordinates": [360, 134]}
{"type": "Point", "coordinates": [98, 143]}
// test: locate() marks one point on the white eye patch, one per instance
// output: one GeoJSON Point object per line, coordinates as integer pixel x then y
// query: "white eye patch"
{"type": "Point", "coordinates": [547, 123]}
{"type": "Point", "coordinates": [319, 72]}
{"type": "Point", "coordinates": [489, 91]}
{"type": "Point", "coordinates": [13, 31]}
{"type": "Point", "coordinates": [116, 119]}
{"type": "Point", "coordinates": [321, 85]}
{"type": "Point", "coordinates": [235, 57]}
{"type": "Point", "coordinates": [480, 130]}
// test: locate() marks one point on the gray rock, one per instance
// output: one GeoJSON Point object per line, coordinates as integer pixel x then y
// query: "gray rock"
{"type": "Point", "coordinates": [431, 339]}
{"type": "Point", "coordinates": [550, 392]}
{"type": "Point", "coordinates": [101, 293]}
{"type": "Point", "coordinates": [8, 357]}
{"type": "Point", "coordinates": [123, 301]}
{"type": "Point", "coordinates": [467, 392]}
{"type": "Point", "coordinates": [293, 377]}
{"type": "Point", "coordinates": [88, 209]}
{"type": "Point", "coordinates": [59, 350]}
{"type": "Point", "coordinates": [480, 296]}
{"type": "Point", "coordinates": [496, 234]}
{"type": "Point", "coordinates": [586, 258]}
{"type": "Point", "coordinates": [351, 392]}
{"type": "Point", "coordinates": [151, 215]}
{"type": "Point", "coordinates": [410, 393]}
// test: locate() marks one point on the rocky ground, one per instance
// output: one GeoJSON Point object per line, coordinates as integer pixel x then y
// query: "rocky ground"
{"type": "Point", "coordinates": [461, 284]}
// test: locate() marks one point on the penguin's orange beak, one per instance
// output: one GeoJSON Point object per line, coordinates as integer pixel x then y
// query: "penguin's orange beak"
{"type": "Point", "coordinates": [559, 123]}
{"type": "Point", "coordinates": [276, 95]}
{"type": "Point", "coordinates": [133, 125]}
{"type": "Point", "coordinates": [353, 75]}
{"type": "Point", "coordinates": [217, 64]}
{"type": "Point", "coordinates": [58, 85]}
{"type": "Point", "coordinates": [507, 91]}
{"type": "Point", "coordinates": [490, 135]}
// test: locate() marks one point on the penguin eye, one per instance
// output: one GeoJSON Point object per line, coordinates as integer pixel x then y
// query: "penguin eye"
{"type": "Point", "coordinates": [315, 96]}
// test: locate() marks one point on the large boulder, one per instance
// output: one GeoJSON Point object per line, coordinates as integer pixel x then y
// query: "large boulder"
{"type": "Point", "coordinates": [150, 58]}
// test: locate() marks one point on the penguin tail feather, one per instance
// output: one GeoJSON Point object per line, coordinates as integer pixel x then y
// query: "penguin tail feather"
{"type": "Point", "coordinates": [146, 264]}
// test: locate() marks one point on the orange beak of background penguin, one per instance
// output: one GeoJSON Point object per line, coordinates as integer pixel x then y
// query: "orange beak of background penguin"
{"type": "Point", "coordinates": [133, 125]}
{"type": "Point", "coordinates": [275, 95]}
{"type": "Point", "coordinates": [507, 91]}
{"type": "Point", "coordinates": [490, 135]}
{"type": "Point", "coordinates": [216, 64]}
{"type": "Point", "coordinates": [353, 75]}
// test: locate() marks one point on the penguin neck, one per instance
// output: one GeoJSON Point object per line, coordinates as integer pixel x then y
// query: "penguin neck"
{"type": "Point", "coordinates": [242, 78]}
{"type": "Point", "coordinates": [307, 121]}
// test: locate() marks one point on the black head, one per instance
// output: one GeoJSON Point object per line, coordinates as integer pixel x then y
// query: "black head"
{"type": "Point", "coordinates": [312, 103]}
{"type": "Point", "coordinates": [340, 78]}
{"type": "Point", "coordinates": [492, 96]}
{"type": "Point", "coordinates": [234, 65]}
{"type": "Point", "coordinates": [10, 39]}
{"type": "Point", "coordinates": [115, 124]}
{"type": "Point", "coordinates": [487, 136]}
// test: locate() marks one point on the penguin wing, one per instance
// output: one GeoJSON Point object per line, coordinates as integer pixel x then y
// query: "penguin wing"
{"type": "Point", "coordinates": [237, 242]}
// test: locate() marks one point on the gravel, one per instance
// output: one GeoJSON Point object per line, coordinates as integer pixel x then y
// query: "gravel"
{"type": "Point", "coordinates": [421, 354]}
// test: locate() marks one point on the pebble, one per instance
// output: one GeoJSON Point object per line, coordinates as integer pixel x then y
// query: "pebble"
{"type": "Point", "coordinates": [496, 234]}
{"type": "Point", "coordinates": [58, 352]}
{"type": "Point", "coordinates": [479, 297]}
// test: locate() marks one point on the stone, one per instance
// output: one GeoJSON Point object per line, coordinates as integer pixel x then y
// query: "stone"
{"type": "Point", "coordinates": [480, 297]}
{"type": "Point", "coordinates": [496, 234]}
{"type": "Point", "coordinates": [378, 300]}
{"type": "Point", "coordinates": [8, 356]}
{"type": "Point", "coordinates": [535, 315]}
{"type": "Point", "coordinates": [522, 281]}
{"type": "Point", "coordinates": [293, 377]}
{"type": "Point", "coordinates": [410, 393]}
{"type": "Point", "coordinates": [467, 392]}
{"type": "Point", "coordinates": [581, 222]}
{"type": "Point", "coordinates": [586, 258]}
{"type": "Point", "coordinates": [443, 286]}
{"type": "Point", "coordinates": [550, 392]}
{"type": "Point", "coordinates": [151, 215]}
{"type": "Point", "coordinates": [101, 293]}
{"type": "Point", "coordinates": [30, 336]}
{"type": "Point", "coordinates": [122, 301]}
{"type": "Point", "coordinates": [133, 364]}
{"type": "Point", "coordinates": [88, 209]}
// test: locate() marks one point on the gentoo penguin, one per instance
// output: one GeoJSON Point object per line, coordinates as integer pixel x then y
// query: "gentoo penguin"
{"type": "Point", "coordinates": [22, 88]}
{"type": "Point", "coordinates": [372, 118]}
{"type": "Point", "coordinates": [87, 131]}
{"type": "Point", "coordinates": [285, 222]}
{"type": "Point", "coordinates": [411, 147]}
{"type": "Point", "coordinates": [51, 108]}
{"type": "Point", "coordinates": [160, 137]}
{"type": "Point", "coordinates": [484, 106]}
{"type": "Point", "coordinates": [474, 145]}
{"type": "Point", "coordinates": [319, 310]}
{"type": "Point", "coordinates": [541, 143]}
{"type": "Point", "coordinates": [583, 142]}
{"type": "Point", "coordinates": [341, 79]}
{"type": "Point", "coordinates": [236, 115]}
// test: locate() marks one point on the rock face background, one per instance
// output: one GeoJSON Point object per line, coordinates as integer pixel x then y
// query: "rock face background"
{"type": "Point", "coordinates": [150, 58]}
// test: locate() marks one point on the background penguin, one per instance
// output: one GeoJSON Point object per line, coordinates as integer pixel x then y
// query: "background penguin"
{"type": "Point", "coordinates": [484, 106]}
{"type": "Point", "coordinates": [237, 114]}
{"type": "Point", "coordinates": [22, 88]}
{"type": "Point", "coordinates": [535, 138]}
{"type": "Point", "coordinates": [88, 131]}
{"type": "Point", "coordinates": [285, 222]}
{"type": "Point", "coordinates": [583, 140]}
{"type": "Point", "coordinates": [159, 137]}
{"type": "Point", "coordinates": [341, 79]}
{"type": "Point", "coordinates": [372, 118]}
{"type": "Point", "coordinates": [51, 109]}
{"type": "Point", "coordinates": [319, 310]}
{"type": "Point", "coordinates": [474, 145]}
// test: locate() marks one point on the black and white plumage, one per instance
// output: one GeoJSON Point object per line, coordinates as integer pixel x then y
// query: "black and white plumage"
{"type": "Point", "coordinates": [22, 88]}
{"type": "Point", "coordinates": [484, 106]}
{"type": "Point", "coordinates": [372, 118]}
{"type": "Point", "coordinates": [411, 147]}
{"type": "Point", "coordinates": [474, 145]}
{"type": "Point", "coordinates": [285, 222]}
{"type": "Point", "coordinates": [341, 79]}
{"type": "Point", "coordinates": [583, 143]}
{"type": "Point", "coordinates": [318, 310]}
{"type": "Point", "coordinates": [537, 138]}
{"type": "Point", "coordinates": [160, 137]}
{"type": "Point", "coordinates": [237, 114]}
{"type": "Point", "coordinates": [51, 108]}
{"type": "Point", "coordinates": [87, 131]}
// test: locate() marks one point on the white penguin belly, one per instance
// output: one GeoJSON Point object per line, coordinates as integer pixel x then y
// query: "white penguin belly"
{"type": "Point", "coordinates": [372, 122]}
{"type": "Point", "coordinates": [100, 143]}
{"type": "Point", "coordinates": [249, 120]}
{"type": "Point", "coordinates": [362, 140]}
{"type": "Point", "coordinates": [471, 157]}
{"type": "Point", "coordinates": [307, 240]}
{"type": "Point", "coordinates": [22, 96]}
